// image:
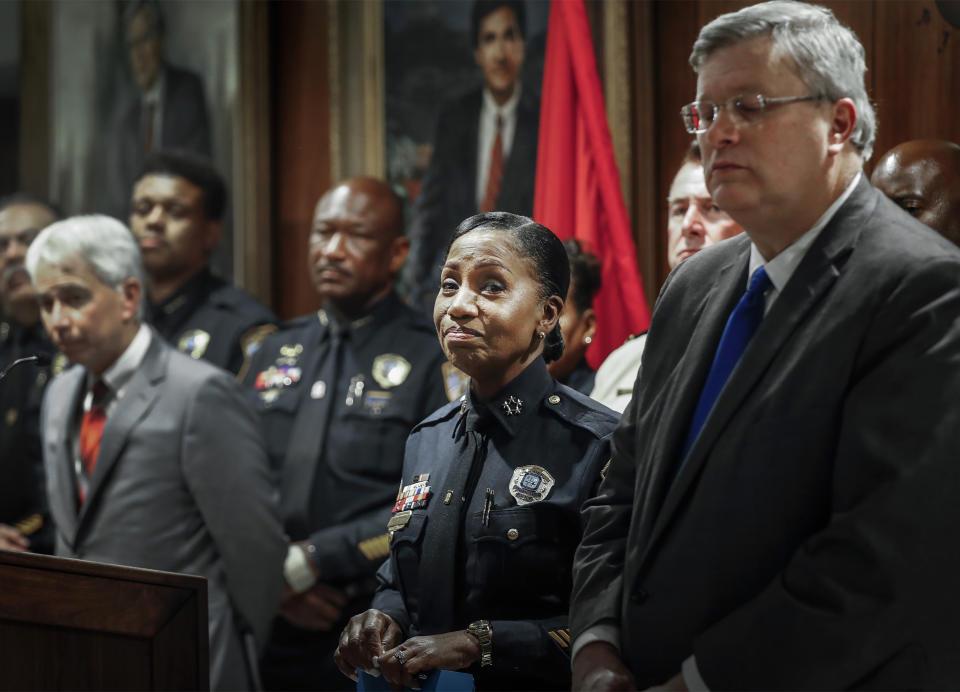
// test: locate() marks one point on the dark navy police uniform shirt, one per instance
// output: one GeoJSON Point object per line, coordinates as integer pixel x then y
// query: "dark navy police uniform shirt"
{"type": "Point", "coordinates": [507, 530]}
{"type": "Point", "coordinates": [211, 319]}
{"type": "Point", "coordinates": [335, 420]}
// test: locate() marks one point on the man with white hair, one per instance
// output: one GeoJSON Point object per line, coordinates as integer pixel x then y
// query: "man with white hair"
{"type": "Point", "coordinates": [153, 459]}
{"type": "Point", "coordinates": [780, 510]}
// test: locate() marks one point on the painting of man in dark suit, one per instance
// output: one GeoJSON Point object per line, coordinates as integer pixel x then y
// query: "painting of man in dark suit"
{"type": "Point", "coordinates": [169, 110]}
{"type": "Point", "coordinates": [485, 145]}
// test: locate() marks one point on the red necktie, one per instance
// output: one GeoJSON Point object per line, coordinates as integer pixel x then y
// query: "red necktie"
{"type": "Point", "coordinates": [91, 432]}
{"type": "Point", "coordinates": [496, 170]}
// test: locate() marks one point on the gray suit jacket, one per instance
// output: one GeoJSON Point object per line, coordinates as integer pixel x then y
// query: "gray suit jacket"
{"type": "Point", "coordinates": [809, 540]}
{"type": "Point", "coordinates": [181, 484]}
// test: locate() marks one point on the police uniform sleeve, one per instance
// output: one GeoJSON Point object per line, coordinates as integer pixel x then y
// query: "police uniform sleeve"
{"type": "Point", "coordinates": [388, 598]}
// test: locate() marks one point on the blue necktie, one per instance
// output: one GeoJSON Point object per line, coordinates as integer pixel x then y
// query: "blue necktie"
{"type": "Point", "coordinates": [742, 323]}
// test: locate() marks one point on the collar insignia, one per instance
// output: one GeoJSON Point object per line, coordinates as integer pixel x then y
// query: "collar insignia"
{"type": "Point", "coordinates": [512, 406]}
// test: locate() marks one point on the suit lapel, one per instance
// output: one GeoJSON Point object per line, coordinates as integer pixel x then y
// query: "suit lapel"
{"type": "Point", "coordinates": [140, 394]}
{"type": "Point", "coordinates": [681, 398]}
{"type": "Point", "coordinates": [815, 275]}
{"type": "Point", "coordinates": [63, 409]}
{"type": "Point", "coordinates": [469, 154]}
{"type": "Point", "coordinates": [523, 152]}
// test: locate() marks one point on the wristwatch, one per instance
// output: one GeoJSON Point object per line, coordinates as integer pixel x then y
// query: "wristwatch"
{"type": "Point", "coordinates": [484, 633]}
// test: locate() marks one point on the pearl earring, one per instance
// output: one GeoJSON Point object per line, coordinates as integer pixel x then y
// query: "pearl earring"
{"type": "Point", "coordinates": [588, 340]}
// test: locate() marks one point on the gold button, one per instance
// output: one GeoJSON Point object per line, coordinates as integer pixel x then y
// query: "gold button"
{"type": "Point", "coordinates": [513, 534]}
{"type": "Point", "coordinates": [554, 399]}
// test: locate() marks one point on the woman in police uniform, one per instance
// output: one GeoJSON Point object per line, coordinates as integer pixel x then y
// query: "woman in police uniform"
{"type": "Point", "coordinates": [487, 519]}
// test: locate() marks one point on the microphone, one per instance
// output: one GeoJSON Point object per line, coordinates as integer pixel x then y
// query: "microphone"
{"type": "Point", "coordinates": [41, 359]}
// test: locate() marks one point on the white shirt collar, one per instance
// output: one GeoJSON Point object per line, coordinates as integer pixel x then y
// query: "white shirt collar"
{"type": "Point", "coordinates": [506, 110]}
{"type": "Point", "coordinates": [123, 368]}
{"type": "Point", "coordinates": [781, 267]}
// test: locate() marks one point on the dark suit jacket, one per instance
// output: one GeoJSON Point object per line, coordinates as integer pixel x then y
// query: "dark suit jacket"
{"type": "Point", "coordinates": [185, 125]}
{"type": "Point", "coordinates": [809, 540]}
{"type": "Point", "coordinates": [181, 484]}
{"type": "Point", "coordinates": [449, 191]}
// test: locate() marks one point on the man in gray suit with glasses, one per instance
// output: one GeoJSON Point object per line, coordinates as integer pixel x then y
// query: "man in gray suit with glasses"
{"type": "Point", "coordinates": [153, 459]}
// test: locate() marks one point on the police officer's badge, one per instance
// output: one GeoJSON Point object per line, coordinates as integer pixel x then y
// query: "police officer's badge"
{"type": "Point", "coordinates": [194, 343]}
{"type": "Point", "coordinates": [390, 369]}
{"type": "Point", "coordinates": [530, 484]}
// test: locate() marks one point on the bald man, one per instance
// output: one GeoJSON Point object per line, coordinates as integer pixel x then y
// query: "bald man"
{"type": "Point", "coordinates": [24, 521]}
{"type": "Point", "coordinates": [923, 177]}
{"type": "Point", "coordinates": [338, 391]}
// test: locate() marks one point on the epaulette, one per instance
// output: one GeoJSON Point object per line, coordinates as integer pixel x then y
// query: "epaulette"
{"type": "Point", "coordinates": [582, 411]}
{"type": "Point", "coordinates": [444, 413]}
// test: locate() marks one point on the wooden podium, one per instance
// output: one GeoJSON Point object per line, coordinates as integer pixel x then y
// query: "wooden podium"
{"type": "Point", "coordinates": [76, 625]}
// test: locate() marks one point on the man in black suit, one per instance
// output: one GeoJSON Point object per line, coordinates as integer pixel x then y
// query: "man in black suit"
{"type": "Point", "coordinates": [780, 510]}
{"type": "Point", "coordinates": [170, 110]}
{"type": "Point", "coordinates": [485, 148]}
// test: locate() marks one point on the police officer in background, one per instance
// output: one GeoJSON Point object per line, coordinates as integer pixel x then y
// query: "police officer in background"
{"type": "Point", "coordinates": [176, 213]}
{"type": "Point", "coordinates": [338, 391]}
{"type": "Point", "coordinates": [24, 520]}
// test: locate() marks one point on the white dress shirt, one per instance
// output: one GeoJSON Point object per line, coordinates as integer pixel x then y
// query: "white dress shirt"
{"type": "Point", "coordinates": [487, 131]}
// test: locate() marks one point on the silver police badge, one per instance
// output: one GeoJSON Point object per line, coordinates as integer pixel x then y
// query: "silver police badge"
{"type": "Point", "coordinates": [390, 370]}
{"type": "Point", "coordinates": [530, 484]}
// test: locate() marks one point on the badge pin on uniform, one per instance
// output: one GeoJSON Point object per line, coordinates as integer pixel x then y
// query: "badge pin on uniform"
{"type": "Point", "coordinates": [530, 484]}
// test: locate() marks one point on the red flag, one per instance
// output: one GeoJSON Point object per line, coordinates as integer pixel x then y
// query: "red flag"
{"type": "Point", "coordinates": [578, 186]}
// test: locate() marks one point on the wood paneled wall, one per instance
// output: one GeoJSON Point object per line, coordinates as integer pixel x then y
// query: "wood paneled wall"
{"type": "Point", "coordinates": [913, 59]}
{"type": "Point", "coordinates": [301, 144]}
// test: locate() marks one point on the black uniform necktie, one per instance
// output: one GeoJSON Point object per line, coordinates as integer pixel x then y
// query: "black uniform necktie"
{"type": "Point", "coordinates": [441, 552]}
{"type": "Point", "coordinates": [310, 431]}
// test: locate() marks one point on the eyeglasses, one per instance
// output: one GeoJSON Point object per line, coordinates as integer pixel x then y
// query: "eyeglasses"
{"type": "Point", "coordinates": [23, 237]}
{"type": "Point", "coordinates": [699, 116]}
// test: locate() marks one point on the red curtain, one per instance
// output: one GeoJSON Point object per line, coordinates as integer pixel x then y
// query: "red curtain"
{"type": "Point", "coordinates": [578, 186]}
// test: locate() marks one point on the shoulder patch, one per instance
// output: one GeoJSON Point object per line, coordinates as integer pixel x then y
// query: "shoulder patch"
{"type": "Point", "coordinates": [455, 381]}
{"type": "Point", "coordinates": [250, 343]}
